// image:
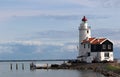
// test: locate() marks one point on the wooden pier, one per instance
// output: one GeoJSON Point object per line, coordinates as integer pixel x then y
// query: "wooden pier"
{"type": "Point", "coordinates": [16, 66]}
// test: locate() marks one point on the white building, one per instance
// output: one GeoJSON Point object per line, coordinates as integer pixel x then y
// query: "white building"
{"type": "Point", "coordinates": [93, 49]}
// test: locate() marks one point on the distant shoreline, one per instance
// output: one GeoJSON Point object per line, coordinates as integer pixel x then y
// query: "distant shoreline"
{"type": "Point", "coordinates": [36, 60]}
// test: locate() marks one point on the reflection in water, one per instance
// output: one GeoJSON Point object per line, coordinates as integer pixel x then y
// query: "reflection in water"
{"type": "Point", "coordinates": [89, 73]}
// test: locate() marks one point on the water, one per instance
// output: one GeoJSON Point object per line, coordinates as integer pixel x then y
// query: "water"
{"type": "Point", "coordinates": [5, 71]}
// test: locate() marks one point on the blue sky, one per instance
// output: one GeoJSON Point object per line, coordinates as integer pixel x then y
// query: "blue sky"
{"type": "Point", "coordinates": [19, 18]}
{"type": "Point", "coordinates": [53, 22]}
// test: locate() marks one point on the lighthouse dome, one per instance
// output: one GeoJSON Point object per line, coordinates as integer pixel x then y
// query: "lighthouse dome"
{"type": "Point", "coordinates": [84, 24]}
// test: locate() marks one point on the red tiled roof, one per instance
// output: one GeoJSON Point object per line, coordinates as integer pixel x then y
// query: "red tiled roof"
{"type": "Point", "coordinates": [94, 40]}
{"type": "Point", "coordinates": [88, 40]}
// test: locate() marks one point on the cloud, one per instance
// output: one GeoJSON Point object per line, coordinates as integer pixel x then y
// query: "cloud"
{"type": "Point", "coordinates": [23, 42]}
{"type": "Point", "coordinates": [4, 15]}
{"type": "Point", "coordinates": [10, 44]}
{"type": "Point", "coordinates": [110, 3]}
{"type": "Point", "coordinates": [116, 43]}
{"type": "Point", "coordinates": [8, 14]}
{"type": "Point", "coordinates": [113, 34]}
{"type": "Point", "coordinates": [51, 9]}
{"type": "Point", "coordinates": [6, 49]}
{"type": "Point", "coordinates": [98, 3]}
{"type": "Point", "coordinates": [59, 37]}
{"type": "Point", "coordinates": [56, 34]}
{"type": "Point", "coordinates": [50, 49]}
{"type": "Point", "coordinates": [70, 48]}
{"type": "Point", "coordinates": [85, 3]}
{"type": "Point", "coordinates": [24, 49]}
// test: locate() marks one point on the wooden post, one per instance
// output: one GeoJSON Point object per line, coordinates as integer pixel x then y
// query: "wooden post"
{"type": "Point", "coordinates": [22, 66]}
{"type": "Point", "coordinates": [11, 66]}
{"type": "Point", "coordinates": [47, 66]}
{"type": "Point", "coordinates": [16, 66]}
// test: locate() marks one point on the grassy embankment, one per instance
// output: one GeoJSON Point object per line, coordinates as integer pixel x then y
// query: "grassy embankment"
{"type": "Point", "coordinates": [114, 68]}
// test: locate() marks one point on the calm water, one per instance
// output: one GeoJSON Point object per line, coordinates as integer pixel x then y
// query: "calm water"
{"type": "Point", "coordinates": [5, 71]}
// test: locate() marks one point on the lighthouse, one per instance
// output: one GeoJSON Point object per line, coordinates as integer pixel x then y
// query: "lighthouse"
{"type": "Point", "coordinates": [84, 33]}
{"type": "Point", "coordinates": [93, 49]}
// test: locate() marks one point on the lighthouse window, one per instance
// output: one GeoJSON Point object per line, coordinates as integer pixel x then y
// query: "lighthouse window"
{"type": "Point", "coordinates": [106, 55]}
{"type": "Point", "coordinates": [88, 53]}
{"type": "Point", "coordinates": [109, 46]}
{"type": "Point", "coordinates": [104, 46]}
{"type": "Point", "coordinates": [87, 31]}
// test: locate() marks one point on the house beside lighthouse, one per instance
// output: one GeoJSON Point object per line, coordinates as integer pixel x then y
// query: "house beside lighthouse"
{"type": "Point", "coordinates": [93, 49]}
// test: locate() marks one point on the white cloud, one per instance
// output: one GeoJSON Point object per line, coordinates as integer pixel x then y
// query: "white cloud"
{"type": "Point", "coordinates": [6, 49]}
{"type": "Point", "coordinates": [71, 47]}
{"type": "Point", "coordinates": [116, 43]}
{"type": "Point", "coordinates": [25, 42]}
{"type": "Point", "coordinates": [38, 46]}
{"type": "Point", "coordinates": [31, 43]}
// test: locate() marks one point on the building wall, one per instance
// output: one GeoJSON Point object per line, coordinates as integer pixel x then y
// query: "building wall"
{"type": "Point", "coordinates": [110, 58]}
{"type": "Point", "coordinates": [84, 50]}
{"type": "Point", "coordinates": [100, 56]}
{"type": "Point", "coordinates": [97, 55]}
{"type": "Point", "coordinates": [104, 47]}
{"type": "Point", "coordinates": [96, 48]}
{"type": "Point", "coordinates": [107, 43]}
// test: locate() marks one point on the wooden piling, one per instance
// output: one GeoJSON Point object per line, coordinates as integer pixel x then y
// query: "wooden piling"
{"type": "Point", "coordinates": [47, 66]}
{"type": "Point", "coordinates": [16, 66]}
{"type": "Point", "coordinates": [11, 66]}
{"type": "Point", "coordinates": [22, 66]}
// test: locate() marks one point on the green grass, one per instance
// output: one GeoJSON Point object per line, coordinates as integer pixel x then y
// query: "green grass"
{"type": "Point", "coordinates": [112, 68]}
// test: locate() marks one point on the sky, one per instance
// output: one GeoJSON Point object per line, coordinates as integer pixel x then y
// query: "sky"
{"type": "Point", "coordinates": [43, 24]}
{"type": "Point", "coordinates": [20, 18]}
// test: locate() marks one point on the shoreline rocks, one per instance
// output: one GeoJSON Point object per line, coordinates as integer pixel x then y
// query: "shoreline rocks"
{"type": "Point", "coordinates": [97, 67]}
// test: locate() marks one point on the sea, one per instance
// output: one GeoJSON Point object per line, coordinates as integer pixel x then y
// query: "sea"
{"type": "Point", "coordinates": [20, 71]}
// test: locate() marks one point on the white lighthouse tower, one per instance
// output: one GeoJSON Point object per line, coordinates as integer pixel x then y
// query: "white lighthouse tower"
{"type": "Point", "coordinates": [84, 33]}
